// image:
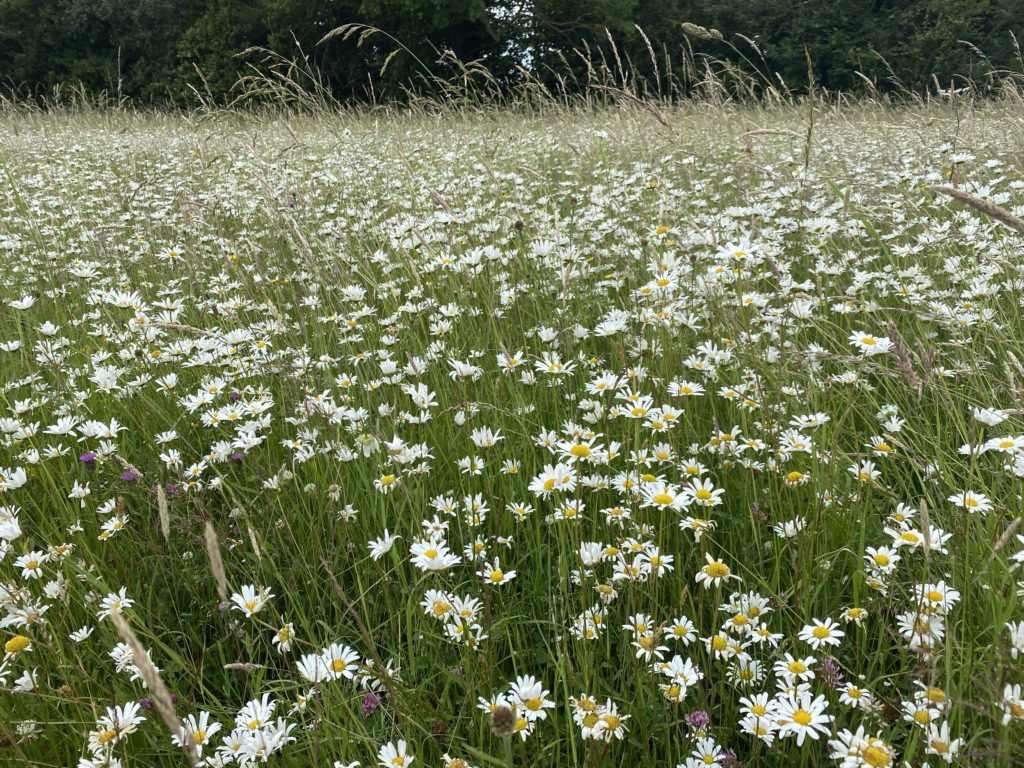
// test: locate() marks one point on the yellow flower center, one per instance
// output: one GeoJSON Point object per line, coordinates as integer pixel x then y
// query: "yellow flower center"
{"type": "Point", "coordinates": [549, 484]}
{"type": "Point", "coordinates": [16, 644]}
{"type": "Point", "coordinates": [876, 756]}
{"type": "Point", "coordinates": [703, 494]}
{"type": "Point", "coordinates": [430, 554]}
{"type": "Point", "coordinates": [936, 695]}
{"type": "Point", "coordinates": [821, 633]}
{"type": "Point", "coordinates": [716, 570]}
{"type": "Point", "coordinates": [802, 716]}
{"type": "Point", "coordinates": [797, 667]}
{"type": "Point", "coordinates": [496, 575]}
{"type": "Point", "coordinates": [387, 480]}
{"type": "Point", "coordinates": [580, 451]}
{"type": "Point", "coordinates": [663, 499]}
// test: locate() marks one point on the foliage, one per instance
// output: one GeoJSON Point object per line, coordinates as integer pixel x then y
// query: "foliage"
{"type": "Point", "coordinates": [158, 51]}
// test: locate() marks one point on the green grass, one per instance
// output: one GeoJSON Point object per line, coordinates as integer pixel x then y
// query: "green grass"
{"type": "Point", "coordinates": [313, 249]}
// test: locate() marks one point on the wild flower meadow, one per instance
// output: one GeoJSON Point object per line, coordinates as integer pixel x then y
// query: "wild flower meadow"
{"type": "Point", "coordinates": [579, 438]}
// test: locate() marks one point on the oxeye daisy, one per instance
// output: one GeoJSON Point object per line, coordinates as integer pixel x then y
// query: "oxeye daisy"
{"type": "Point", "coordinates": [855, 696]}
{"type": "Point", "coordinates": [340, 661]}
{"type": "Point", "coordinates": [433, 555]}
{"type": "Point", "coordinates": [939, 743]}
{"type": "Point", "coordinates": [793, 669]}
{"type": "Point", "coordinates": [857, 748]}
{"type": "Point", "coordinates": [493, 574]}
{"type": "Point", "coordinates": [1013, 704]}
{"type": "Point", "coordinates": [803, 717]}
{"type": "Point", "coordinates": [284, 637]}
{"type": "Point", "coordinates": [714, 573]}
{"type": "Point", "coordinates": [971, 501]}
{"type": "Point", "coordinates": [663, 496]}
{"type": "Point", "coordinates": [529, 695]}
{"type": "Point", "coordinates": [386, 483]}
{"type": "Point", "coordinates": [31, 565]}
{"type": "Point", "coordinates": [821, 633]}
{"type": "Point", "coordinates": [704, 494]}
{"type": "Point", "coordinates": [251, 599]}
{"type": "Point", "coordinates": [610, 724]}
{"type": "Point", "coordinates": [395, 755]}
{"type": "Point", "coordinates": [868, 344]}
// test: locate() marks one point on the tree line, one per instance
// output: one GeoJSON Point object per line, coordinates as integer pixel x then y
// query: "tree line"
{"type": "Point", "coordinates": [173, 51]}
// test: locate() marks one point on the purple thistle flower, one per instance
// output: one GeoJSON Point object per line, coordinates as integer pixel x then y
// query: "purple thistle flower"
{"type": "Point", "coordinates": [698, 719]}
{"type": "Point", "coordinates": [237, 457]}
{"type": "Point", "coordinates": [89, 459]}
{"type": "Point", "coordinates": [371, 701]}
{"type": "Point", "coordinates": [830, 673]}
{"type": "Point", "coordinates": [129, 475]}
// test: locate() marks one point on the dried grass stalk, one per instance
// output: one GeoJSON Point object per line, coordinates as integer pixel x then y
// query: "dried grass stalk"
{"type": "Point", "coordinates": [981, 205]}
{"type": "Point", "coordinates": [1010, 530]}
{"type": "Point", "coordinates": [160, 695]}
{"type": "Point", "coordinates": [165, 517]}
{"type": "Point", "coordinates": [216, 563]}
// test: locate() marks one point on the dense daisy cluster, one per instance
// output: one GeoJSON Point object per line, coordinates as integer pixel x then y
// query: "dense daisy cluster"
{"type": "Point", "coordinates": [544, 441]}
